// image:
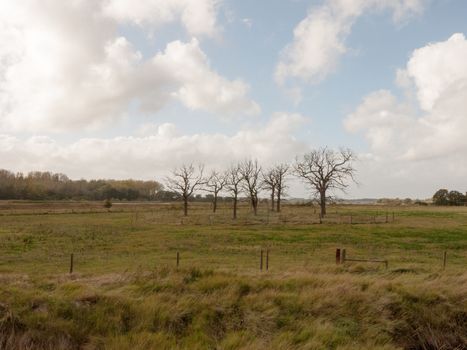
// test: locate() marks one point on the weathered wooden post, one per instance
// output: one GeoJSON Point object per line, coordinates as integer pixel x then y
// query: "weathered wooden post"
{"type": "Point", "coordinates": [338, 256]}
{"type": "Point", "coordinates": [71, 263]}
{"type": "Point", "coordinates": [343, 256]}
{"type": "Point", "coordinates": [178, 259]}
{"type": "Point", "coordinates": [261, 261]}
{"type": "Point", "coordinates": [267, 259]}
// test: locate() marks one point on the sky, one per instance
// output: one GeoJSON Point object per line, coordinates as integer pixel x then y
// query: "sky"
{"type": "Point", "coordinates": [131, 89]}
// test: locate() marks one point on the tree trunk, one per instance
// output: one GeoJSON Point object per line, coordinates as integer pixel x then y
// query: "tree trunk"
{"type": "Point", "coordinates": [235, 207]}
{"type": "Point", "coordinates": [322, 203]}
{"type": "Point", "coordinates": [214, 203]}
{"type": "Point", "coordinates": [272, 199]}
{"type": "Point", "coordinates": [254, 203]}
{"type": "Point", "coordinates": [278, 202]}
{"type": "Point", "coordinates": [185, 206]}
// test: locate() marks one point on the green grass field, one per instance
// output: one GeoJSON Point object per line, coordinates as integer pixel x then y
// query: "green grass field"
{"type": "Point", "coordinates": [126, 292]}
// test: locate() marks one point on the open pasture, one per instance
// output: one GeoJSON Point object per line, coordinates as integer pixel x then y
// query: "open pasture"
{"type": "Point", "coordinates": [126, 290]}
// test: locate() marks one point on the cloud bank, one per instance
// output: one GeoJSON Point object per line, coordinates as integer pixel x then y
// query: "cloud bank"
{"type": "Point", "coordinates": [63, 65]}
{"type": "Point", "coordinates": [153, 155]}
{"type": "Point", "coordinates": [421, 139]}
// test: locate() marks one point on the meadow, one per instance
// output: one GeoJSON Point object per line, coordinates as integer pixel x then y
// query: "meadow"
{"type": "Point", "coordinates": [127, 292]}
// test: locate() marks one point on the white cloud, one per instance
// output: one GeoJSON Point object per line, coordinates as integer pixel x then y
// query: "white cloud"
{"type": "Point", "coordinates": [386, 120]}
{"type": "Point", "coordinates": [198, 16]}
{"type": "Point", "coordinates": [426, 141]}
{"type": "Point", "coordinates": [62, 66]}
{"type": "Point", "coordinates": [319, 39]}
{"type": "Point", "coordinates": [154, 154]}
{"type": "Point", "coordinates": [200, 87]}
{"type": "Point", "coordinates": [438, 68]}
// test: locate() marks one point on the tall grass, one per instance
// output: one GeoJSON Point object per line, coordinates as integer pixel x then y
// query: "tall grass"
{"type": "Point", "coordinates": [202, 309]}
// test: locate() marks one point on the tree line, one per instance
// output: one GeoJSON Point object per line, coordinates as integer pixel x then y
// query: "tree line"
{"type": "Point", "coordinates": [321, 170]}
{"type": "Point", "coordinates": [49, 186]}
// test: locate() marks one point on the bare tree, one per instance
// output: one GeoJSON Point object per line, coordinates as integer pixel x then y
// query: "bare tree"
{"type": "Point", "coordinates": [251, 172]}
{"type": "Point", "coordinates": [214, 184]}
{"type": "Point", "coordinates": [270, 184]}
{"type": "Point", "coordinates": [233, 185]}
{"type": "Point", "coordinates": [280, 174]}
{"type": "Point", "coordinates": [184, 181]}
{"type": "Point", "coordinates": [274, 181]}
{"type": "Point", "coordinates": [324, 169]}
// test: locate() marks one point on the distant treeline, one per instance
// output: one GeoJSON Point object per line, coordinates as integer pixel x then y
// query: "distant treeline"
{"type": "Point", "coordinates": [399, 201]}
{"type": "Point", "coordinates": [49, 186]}
{"type": "Point", "coordinates": [446, 197]}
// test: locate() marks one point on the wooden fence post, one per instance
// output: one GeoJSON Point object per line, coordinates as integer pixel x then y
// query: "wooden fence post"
{"type": "Point", "coordinates": [445, 255]}
{"type": "Point", "coordinates": [178, 259]}
{"type": "Point", "coordinates": [261, 261]}
{"type": "Point", "coordinates": [343, 256]}
{"type": "Point", "coordinates": [71, 263]}
{"type": "Point", "coordinates": [267, 259]}
{"type": "Point", "coordinates": [338, 256]}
